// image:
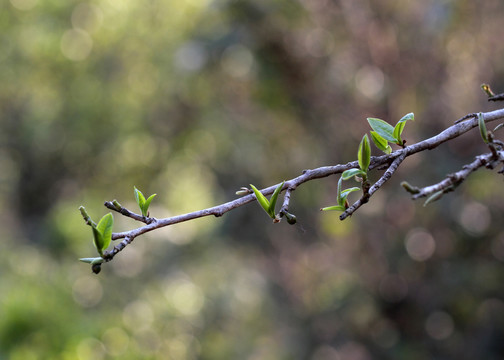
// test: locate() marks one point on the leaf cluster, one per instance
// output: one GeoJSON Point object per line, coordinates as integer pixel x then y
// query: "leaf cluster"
{"type": "Point", "coordinates": [143, 204]}
{"type": "Point", "coordinates": [268, 205]}
{"type": "Point", "coordinates": [383, 132]}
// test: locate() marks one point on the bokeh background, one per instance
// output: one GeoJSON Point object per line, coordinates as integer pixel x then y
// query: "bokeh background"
{"type": "Point", "coordinates": [193, 99]}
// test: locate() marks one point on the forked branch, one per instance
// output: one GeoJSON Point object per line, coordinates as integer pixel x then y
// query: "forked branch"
{"type": "Point", "coordinates": [389, 161]}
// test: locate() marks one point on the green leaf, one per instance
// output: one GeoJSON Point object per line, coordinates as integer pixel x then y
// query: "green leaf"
{"type": "Point", "coordinates": [434, 197]}
{"type": "Point", "coordinates": [139, 197]}
{"type": "Point", "coordinates": [261, 199]}
{"type": "Point", "coordinates": [273, 200]}
{"type": "Point", "coordinates": [348, 191]}
{"type": "Point", "coordinates": [335, 207]}
{"type": "Point", "coordinates": [92, 261]}
{"type": "Point", "coordinates": [344, 195]}
{"type": "Point", "coordinates": [351, 173]}
{"type": "Point", "coordinates": [105, 228]}
{"type": "Point", "coordinates": [338, 192]}
{"type": "Point", "coordinates": [482, 128]}
{"type": "Point", "coordinates": [383, 128]}
{"type": "Point", "coordinates": [98, 240]}
{"type": "Point", "coordinates": [380, 142]}
{"type": "Point", "coordinates": [145, 209]}
{"type": "Point", "coordinates": [398, 129]}
{"type": "Point", "coordinates": [364, 153]}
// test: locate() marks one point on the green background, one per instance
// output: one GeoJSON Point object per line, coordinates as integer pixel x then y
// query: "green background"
{"type": "Point", "coordinates": [194, 99]}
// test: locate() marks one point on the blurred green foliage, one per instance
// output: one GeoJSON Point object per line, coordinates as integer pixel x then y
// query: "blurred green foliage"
{"type": "Point", "coordinates": [194, 99]}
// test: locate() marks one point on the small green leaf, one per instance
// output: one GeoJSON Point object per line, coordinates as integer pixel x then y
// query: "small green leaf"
{"type": "Point", "coordinates": [498, 127]}
{"type": "Point", "coordinates": [338, 191]}
{"type": "Point", "coordinates": [261, 199]}
{"type": "Point", "coordinates": [273, 199]}
{"type": "Point", "coordinates": [434, 197]}
{"type": "Point", "coordinates": [104, 227]}
{"type": "Point", "coordinates": [380, 142]}
{"type": "Point", "coordinates": [398, 129]}
{"type": "Point", "coordinates": [364, 153]}
{"type": "Point", "coordinates": [98, 240]}
{"type": "Point", "coordinates": [335, 207]}
{"type": "Point", "coordinates": [482, 128]}
{"type": "Point", "coordinates": [347, 174]}
{"type": "Point", "coordinates": [145, 209]}
{"type": "Point", "coordinates": [383, 128]}
{"type": "Point", "coordinates": [348, 191]}
{"type": "Point", "coordinates": [92, 261]}
{"type": "Point", "coordinates": [344, 195]}
{"type": "Point", "coordinates": [139, 197]}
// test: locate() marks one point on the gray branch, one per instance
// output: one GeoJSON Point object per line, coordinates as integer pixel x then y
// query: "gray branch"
{"type": "Point", "coordinates": [390, 161]}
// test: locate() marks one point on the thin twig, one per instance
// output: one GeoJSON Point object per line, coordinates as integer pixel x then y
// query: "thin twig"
{"type": "Point", "coordinates": [453, 180]}
{"type": "Point", "coordinates": [114, 205]}
{"type": "Point", "coordinates": [385, 177]}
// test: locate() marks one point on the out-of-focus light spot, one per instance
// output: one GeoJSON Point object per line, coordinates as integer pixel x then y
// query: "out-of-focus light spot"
{"type": "Point", "coordinates": [119, 5]}
{"type": "Point", "coordinates": [498, 247]}
{"type": "Point", "coordinates": [420, 244]}
{"type": "Point", "coordinates": [148, 341]}
{"type": "Point", "coordinates": [129, 148]}
{"type": "Point", "coordinates": [337, 229]}
{"type": "Point", "coordinates": [385, 334]}
{"type": "Point", "coordinates": [26, 261]}
{"type": "Point", "coordinates": [186, 297]}
{"type": "Point", "coordinates": [237, 60]}
{"type": "Point", "coordinates": [24, 4]}
{"type": "Point", "coordinates": [489, 310]}
{"type": "Point", "coordinates": [76, 44]}
{"type": "Point", "coordinates": [370, 81]}
{"type": "Point", "coordinates": [143, 78]}
{"type": "Point", "coordinates": [87, 291]}
{"type": "Point", "coordinates": [90, 349]}
{"type": "Point", "coordinates": [137, 314]}
{"type": "Point", "coordinates": [87, 17]}
{"type": "Point", "coordinates": [249, 287]}
{"type": "Point", "coordinates": [129, 264]}
{"type": "Point", "coordinates": [116, 341]}
{"type": "Point", "coordinates": [319, 42]}
{"type": "Point", "coordinates": [198, 3]}
{"type": "Point", "coordinates": [23, 353]}
{"type": "Point", "coordinates": [182, 346]}
{"type": "Point", "coordinates": [354, 350]}
{"type": "Point", "coordinates": [325, 352]}
{"type": "Point", "coordinates": [393, 288]}
{"type": "Point", "coordinates": [439, 325]}
{"type": "Point", "coordinates": [475, 218]}
{"type": "Point", "coordinates": [191, 56]}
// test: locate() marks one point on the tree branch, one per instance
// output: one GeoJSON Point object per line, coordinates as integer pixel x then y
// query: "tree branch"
{"type": "Point", "coordinates": [390, 161]}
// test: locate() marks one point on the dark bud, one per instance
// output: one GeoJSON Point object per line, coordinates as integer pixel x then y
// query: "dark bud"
{"type": "Point", "coordinates": [96, 268]}
{"type": "Point", "coordinates": [291, 219]}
